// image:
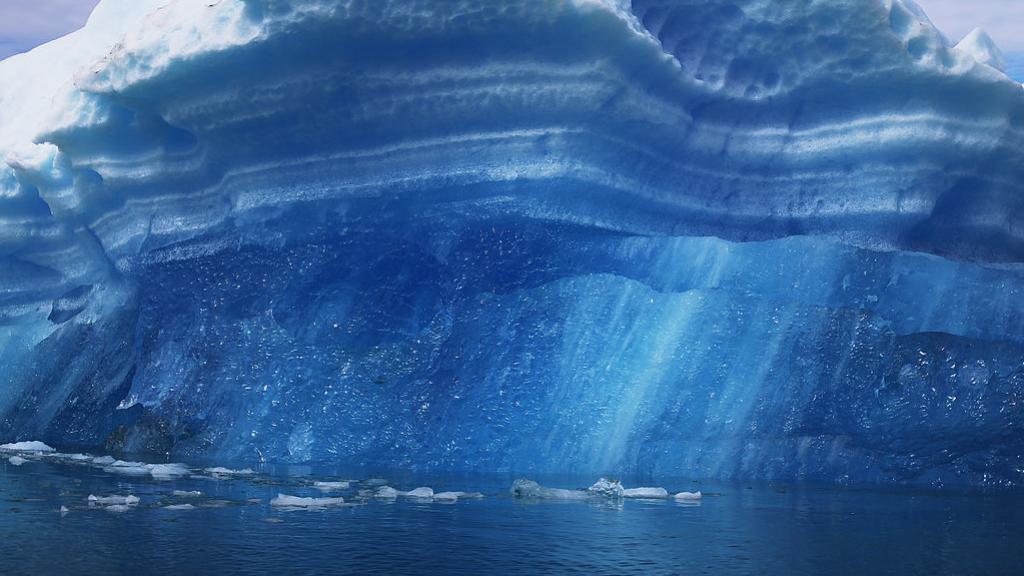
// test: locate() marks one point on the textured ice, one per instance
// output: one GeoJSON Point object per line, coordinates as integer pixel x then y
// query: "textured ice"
{"type": "Point", "coordinates": [129, 500]}
{"type": "Point", "coordinates": [16, 460]}
{"type": "Point", "coordinates": [688, 495]}
{"type": "Point", "coordinates": [187, 493]}
{"type": "Point", "coordinates": [606, 488]}
{"type": "Point", "coordinates": [329, 486]}
{"type": "Point", "coordinates": [639, 238]}
{"type": "Point", "coordinates": [645, 492]}
{"type": "Point", "coordinates": [221, 471]}
{"type": "Point", "coordinates": [285, 501]}
{"type": "Point", "coordinates": [386, 493]}
{"type": "Point", "coordinates": [31, 446]}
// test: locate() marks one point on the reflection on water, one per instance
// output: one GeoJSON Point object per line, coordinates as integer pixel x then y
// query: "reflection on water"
{"type": "Point", "coordinates": [218, 525]}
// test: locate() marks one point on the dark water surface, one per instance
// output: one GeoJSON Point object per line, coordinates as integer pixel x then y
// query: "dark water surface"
{"type": "Point", "coordinates": [740, 529]}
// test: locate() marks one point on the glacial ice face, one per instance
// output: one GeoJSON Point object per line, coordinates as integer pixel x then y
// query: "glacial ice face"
{"type": "Point", "coordinates": [776, 239]}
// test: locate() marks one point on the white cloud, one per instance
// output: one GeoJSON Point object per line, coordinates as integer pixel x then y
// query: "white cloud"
{"type": "Point", "coordinates": [1002, 19]}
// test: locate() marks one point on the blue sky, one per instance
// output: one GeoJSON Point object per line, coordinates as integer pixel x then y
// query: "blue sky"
{"type": "Point", "coordinates": [25, 24]}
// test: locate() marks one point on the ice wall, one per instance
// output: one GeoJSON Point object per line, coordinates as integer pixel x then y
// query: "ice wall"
{"type": "Point", "coordinates": [755, 238]}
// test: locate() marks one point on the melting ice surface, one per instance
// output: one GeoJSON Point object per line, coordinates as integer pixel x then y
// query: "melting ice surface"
{"type": "Point", "coordinates": [747, 239]}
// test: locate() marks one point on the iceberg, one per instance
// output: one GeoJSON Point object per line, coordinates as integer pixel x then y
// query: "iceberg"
{"type": "Point", "coordinates": [656, 238]}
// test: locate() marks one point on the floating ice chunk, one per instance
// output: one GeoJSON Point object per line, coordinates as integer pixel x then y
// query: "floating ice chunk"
{"type": "Point", "coordinates": [32, 446]}
{"type": "Point", "coordinates": [452, 496]}
{"type": "Point", "coordinates": [74, 457]}
{"type": "Point", "coordinates": [386, 492]}
{"type": "Point", "coordinates": [221, 471]}
{"type": "Point", "coordinates": [645, 492]}
{"type": "Point", "coordinates": [180, 507]}
{"type": "Point", "coordinates": [103, 460]}
{"type": "Point", "coordinates": [129, 500]}
{"type": "Point", "coordinates": [187, 494]}
{"type": "Point", "coordinates": [523, 488]}
{"type": "Point", "coordinates": [118, 508]}
{"type": "Point", "coordinates": [128, 468]}
{"type": "Point", "coordinates": [286, 501]}
{"type": "Point", "coordinates": [63, 510]}
{"type": "Point", "coordinates": [689, 495]}
{"type": "Point", "coordinates": [168, 471]}
{"type": "Point", "coordinates": [421, 492]}
{"type": "Point", "coordinates": [606, 488]}
{"type": "Point", "coordinates": [328, 486]}
{"type": "Point", "coordinates": [16, 460]}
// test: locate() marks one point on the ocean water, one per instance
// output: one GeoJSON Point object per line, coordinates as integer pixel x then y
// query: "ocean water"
{"type": "Point", "coordinates": [737, 528]}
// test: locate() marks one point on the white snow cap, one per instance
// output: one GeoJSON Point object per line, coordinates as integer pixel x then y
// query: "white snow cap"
{"type": "Point", "coordinates": [982, 48]}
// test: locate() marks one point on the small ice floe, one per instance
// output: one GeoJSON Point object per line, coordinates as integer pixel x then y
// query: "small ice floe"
{"type": "Point", "coordinates": [118, 508]}
{"type": "Point", "coordinates": [606, 488]}
{"type": "Point", "coordinates": [286, 501]}
{"type": "Point", "coordinates": [386, 493]}
{"type": "Point", "coordinates": [645, 492]}
{"type": "Point", "coordinates": [63, 510]}
{"type": "Point", "coordinates": [114, 500]}
{"type": "Point", "coordinates": [454, 496]}
{"type": "Point", "coordinates": [127, 468]}
{"type": "Point", "coordinates": [220, 471]}
{"type": "Point", "coordinates": [16, 460]}
{"type": "Point", "coordinates": [180, 507]}
{"type": "Point", "coordinates": [523, 488]}
{"type": "Point", "coordinates": [689, 496]}
{"type": "Point", "coordinates": [104, 460]}
{"type": "Point", "coordinates": [421, 492]}
{"type": "Point", "coordinates": [329, 486]}
{"type": "Point", "coordinates": [168, 471]}
{"type": "Point", "coordinates": [31, 446]}
{"type": "Point", "coordinates": [187, 493]}
{"type": "Point", "coordinates": [74, 457]}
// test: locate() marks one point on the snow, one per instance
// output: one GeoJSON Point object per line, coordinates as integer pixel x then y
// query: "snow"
{"type": "Point", "coordinates": [283, 500]}
{"type": "Point", "coordinates": [32, 446]}
{"type": "Point", "coordinates": [710, 243]}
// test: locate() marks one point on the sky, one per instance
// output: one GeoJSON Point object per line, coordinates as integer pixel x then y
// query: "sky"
{"type": "Point", "coordinates": [25, 24]}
